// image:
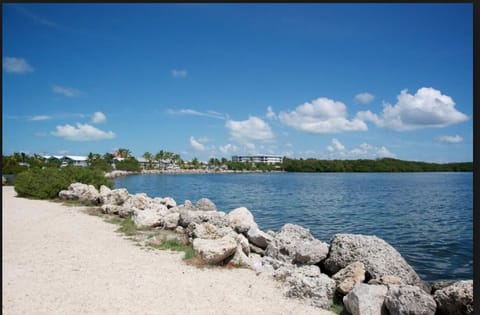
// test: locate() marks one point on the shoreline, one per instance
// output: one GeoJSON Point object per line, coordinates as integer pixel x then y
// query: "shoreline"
{"type": "Point", "coordinates": [116, 174]}
{"type": "Point", "coordinates": [57, 259]}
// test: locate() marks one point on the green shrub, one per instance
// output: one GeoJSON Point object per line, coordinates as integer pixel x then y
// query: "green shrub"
{"type": "Point", "coordinates": [47, 183]}
{"type": "Point", "coordinates": [129, 164]}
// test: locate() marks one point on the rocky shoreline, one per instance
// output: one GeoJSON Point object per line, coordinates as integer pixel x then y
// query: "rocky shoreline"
{"type": "Point", "coordinates": [364, 271]}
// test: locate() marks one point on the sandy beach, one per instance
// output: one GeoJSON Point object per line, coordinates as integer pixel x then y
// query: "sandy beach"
{"type": "Point", "coordinates": [57, 259]}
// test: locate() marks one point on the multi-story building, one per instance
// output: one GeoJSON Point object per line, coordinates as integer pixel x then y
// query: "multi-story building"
{"type": "Point", "coordinates": [268, 159]}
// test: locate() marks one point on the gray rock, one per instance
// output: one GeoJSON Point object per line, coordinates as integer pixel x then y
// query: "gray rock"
{"type": "Point", "coordinates": [241, 220]}
{"type": "Point", "coordinates": [438, 285]}
{"type": "Point", "coordinates": [205, 204]}
{"type": "Point", "coordinates": [81, 192]}
{"type": "Point", "coordinates": [243, 242]}
{"type": "Point", "coordinates": [311, 252]}
{"type": "Point", "coordinates": [387, 279]}
{"type": "Point", "coordinates": [111, 209]}
{"type": "Point", "coordinates": [380, 259]}
{"type": "Point", "coordinates": [215, 251]}
{"type": "Point", "coordinates": [208, 231]}
{"type": "Point", "coordinates": [113, 197]}
{"type": "Point", "coordinates": [409, 300]}
{"type": "Point", "coordinates": [170, 220]}
{"type": "Point", "coordinates": [350, 276]}
{"type": "Point", "coordinates": [293, 243]}
{"type": "Point", "coordinates": [307, 282]}
{"type": "Point", "coordinates": [149, 217]}
{"type": "Point", "coordinates": [256, 250]}
{"type": "Point", "coordinates": [365, 299]}
{"type": "Point", "coordinates": [258, 237]}
{"type": "Point", "coordinates": [169, 202]}
{"type": "Point", "coordinates": [456, 298]}
{"type": "Point", "coordinates": [216, 218]}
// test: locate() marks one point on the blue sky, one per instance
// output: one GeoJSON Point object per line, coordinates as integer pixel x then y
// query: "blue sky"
{"type": "Point", "coordinates": [214, 80]}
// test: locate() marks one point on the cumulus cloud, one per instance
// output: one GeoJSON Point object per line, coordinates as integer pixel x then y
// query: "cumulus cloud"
{"type": "Point", "coordinates": [428, 108]}
{"type": "Point", "coordinates": [197, 146]}
{"type": "Point", "coordinates": [179, 73]}
{"type": "Point", "coordinates": [270, 113]}
{"type": "Point", "coordinates": [228, 149]}
{"type": "Point", "coordinates": [363, 98]}
{"type": "Point", "coordinates": [336, 146]}
{"type": "Point", "coordinates": [321, 116]}
{"type": "Point", "coordinates": [208, 113]}
{"type": "Point", "coordinates": [67, 91]}
{"type": "Point", "coordinates": [16, 65]}
{"type": "Point", "coordinates": [364, 151]}
{"type": "Point", "coordinates": [449, 139]}
{"type": "Point", "coordinates": [40, 117]}
{"type": "Point", "coordinates": [98, 117]}
{"type": "Point", "coordinates": [82, 132]}
{"type": "Point", "coordinates": [252, 129]}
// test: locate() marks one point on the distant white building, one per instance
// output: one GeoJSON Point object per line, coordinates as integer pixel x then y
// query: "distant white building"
{"type": "Point", "coordinates": [75, 160]}
{"type": "Point", "coordinates": [268, 159]}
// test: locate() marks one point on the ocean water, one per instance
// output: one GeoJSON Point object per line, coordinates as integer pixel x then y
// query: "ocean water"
{"type": "Point", "coordinates": [427, 217]}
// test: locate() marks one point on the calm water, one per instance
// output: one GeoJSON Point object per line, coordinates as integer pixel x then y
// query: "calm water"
{"type": "Point", "coordinates": [427, 217]}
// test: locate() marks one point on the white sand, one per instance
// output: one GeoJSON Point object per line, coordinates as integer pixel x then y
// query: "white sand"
{"type": "Point", "coordinates": [59, 260]}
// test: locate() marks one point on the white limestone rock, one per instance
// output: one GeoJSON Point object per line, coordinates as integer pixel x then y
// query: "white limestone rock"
{"type": "Point", "coordinates": [366, 299]}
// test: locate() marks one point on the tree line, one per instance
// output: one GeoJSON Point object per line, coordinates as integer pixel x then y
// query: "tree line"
{"type": "Point", "coordinates": [379, 165]}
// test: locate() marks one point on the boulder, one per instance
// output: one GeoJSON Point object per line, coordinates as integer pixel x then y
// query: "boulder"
{"type": "Point", "coordinates": [438, 285]}
{"type": "Point", "coordinates": [113, 197]}
{"type": "Point", "coordinates": [366, 299]}
{"type": "Point", "coordinates": [311, 252]}
{"type": "Point", "coordinates": [258, 237]}
{"type": "Point", "coordinates": [241, 220]}
{"type": "Point", "coordinates": [243, 242]}
{"type": "Point", "coordinates": [138, 201]}
{"type": "Point", "coordinates": [292, 239]}
{"type": "Point", "coordinates": [111, 209]}
{"type": "Point", "coordinates": [386, 280]}
{"type": "Point", "coordinates": [170, 220]}
{"type": "Point", "coordinates": [207, 231]}
{"type": "Point", "coordinates": [256, 250]}
{"type": "Point", "coordinates": [205, 204]}
{"type": "Point", "coordinates": [216, 218]}
{"type": "Point", "coordinates": [169, 202]}
{"type": "Point", "coordinates": [149, 217]}
{"type": "Point", "coordinates": [378, 256]}
{"type": "Point", "coordinates": [350, 276]}
{"type": "Point", "coordinates": [409, 300]}
{"type": "Point", "coordinates": [215, 251]}
{"type": "Point", "coordinates": [308, 282]}
{"type": "Point", "coordinates": [81, 192]}
{"type": "Point", "coordinates": [456, 298]}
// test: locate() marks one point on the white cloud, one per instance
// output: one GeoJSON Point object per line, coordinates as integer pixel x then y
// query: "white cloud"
{"type": "Point", "coordinates": [228, 149]}
{"type": "Point", "coordinates": [449, 139]}
{"type": "Point", "coordinates": [270, 113]}
{"type": "Point", "coordinates": [179, 73]}
{"type": "Point", "coordinates": [363, 98]}
{"type": "Point", "coordinates": [67, 91]}
{"type": "Point", "coordinates": [364, 151]}
{"type": "Point", "coordinates": [40, 117]}
{"type": "Point", "coordinates": [252, 129]}
{"type": "Point", "coordinates": [321, 116]}
{"type": "Point", "coordinates": [428, 108]}
{"type": "Point", "coordinates": [82, 132]}
{"type": "Point", "coordinates": [208, 113]}
{"type": "Point", "coordinates": [197, 146]}
{"type": "Point", "coordinates": [98, 117]}
{"type": "Point", "coordinates": [16, 65]}
{"type": "Point", "coordinates": [336, 146]}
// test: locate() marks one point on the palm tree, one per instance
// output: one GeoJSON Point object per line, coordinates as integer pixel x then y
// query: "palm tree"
{"type": "Point", "coordinates": [124, 153]}
{"type": "Point", "coordinates": [148, 156]}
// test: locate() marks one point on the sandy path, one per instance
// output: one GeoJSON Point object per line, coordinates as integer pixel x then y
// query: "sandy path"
{"type": "Point", "coordinates": [58, 260]}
